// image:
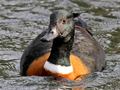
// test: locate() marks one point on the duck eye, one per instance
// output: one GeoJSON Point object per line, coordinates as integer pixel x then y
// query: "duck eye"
{"type": "Point", "coordinates": [64, 21]}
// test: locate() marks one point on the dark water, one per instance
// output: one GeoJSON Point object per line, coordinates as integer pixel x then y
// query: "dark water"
{"type": "Point", "coordinates": [22, 20]}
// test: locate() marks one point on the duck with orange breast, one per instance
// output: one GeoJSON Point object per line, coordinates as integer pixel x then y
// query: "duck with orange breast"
{"type": "Point", "coordinates": [66, 49]}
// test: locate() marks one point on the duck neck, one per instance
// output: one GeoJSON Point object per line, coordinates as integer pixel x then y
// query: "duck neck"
{"type": "Point", "coordinates": [60, 53]}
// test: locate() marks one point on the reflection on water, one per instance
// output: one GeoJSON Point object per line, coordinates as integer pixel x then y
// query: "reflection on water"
{"type": "Point", "coordinates": [22, 20]}
{"type": "Point", "coordinates": [114, 44]}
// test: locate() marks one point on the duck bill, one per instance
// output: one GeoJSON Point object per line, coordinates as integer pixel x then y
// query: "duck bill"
{"type": "Point", "coordinates": [50, 35]}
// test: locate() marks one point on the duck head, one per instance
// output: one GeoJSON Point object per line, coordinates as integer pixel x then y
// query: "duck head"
{"type": "Point", "coordinates": [61, 25]}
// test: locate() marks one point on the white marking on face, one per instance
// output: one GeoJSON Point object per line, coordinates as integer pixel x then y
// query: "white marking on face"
{"type": "Point", "coordinates": [52, 34]}
{"type": "Point", "coordinates": [58, 68]}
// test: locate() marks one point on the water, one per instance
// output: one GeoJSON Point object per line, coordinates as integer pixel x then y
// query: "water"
{"type": "Point", "coordinates": [22, 20]}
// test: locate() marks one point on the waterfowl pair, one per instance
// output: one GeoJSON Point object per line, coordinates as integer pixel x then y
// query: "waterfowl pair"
{"type": "Point", "coordinates": [66, 49]}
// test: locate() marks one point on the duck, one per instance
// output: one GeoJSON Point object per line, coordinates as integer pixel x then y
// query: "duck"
{"type": "Point", "coordinates": [65, 49]}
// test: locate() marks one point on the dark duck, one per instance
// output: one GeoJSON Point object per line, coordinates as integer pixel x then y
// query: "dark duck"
{"type": "Point", "coordinates": [66, 49]}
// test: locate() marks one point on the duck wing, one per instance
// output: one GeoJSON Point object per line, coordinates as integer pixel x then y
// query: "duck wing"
{"type": "Point", "coordinates": [34, 50]}
{"type": "Point", "coordinates": [87, 48]}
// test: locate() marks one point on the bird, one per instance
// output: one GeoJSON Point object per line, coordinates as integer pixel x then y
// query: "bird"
{"type": "Point", "coordinates": [65, 49]}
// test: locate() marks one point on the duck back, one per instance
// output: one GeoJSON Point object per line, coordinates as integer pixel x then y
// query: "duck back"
{"type": "Point", "coordinates": [87, 48]}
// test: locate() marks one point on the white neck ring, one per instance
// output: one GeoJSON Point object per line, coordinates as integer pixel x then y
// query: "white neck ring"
{"type": "Point", "coordinates": [58, 68]}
